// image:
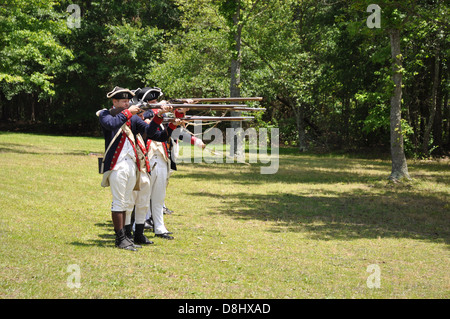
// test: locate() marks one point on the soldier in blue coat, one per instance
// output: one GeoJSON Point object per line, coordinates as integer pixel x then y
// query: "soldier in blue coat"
{"type": "Point", "coordinates": [121, 163]}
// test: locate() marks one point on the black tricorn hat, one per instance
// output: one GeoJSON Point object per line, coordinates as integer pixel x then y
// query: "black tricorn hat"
{"type": "Point", "coordinates": [148, 94]}
{"type": "Point", "coordinates": [120, 93]}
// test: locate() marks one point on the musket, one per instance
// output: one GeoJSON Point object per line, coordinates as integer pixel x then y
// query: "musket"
{"type": "Point", "coordinates": [191, 118]}
{"type": "Point", "coordinates": [218, 99]}
{"type": "Point", "coordinates": [180, 103]}
{"type": "Point", "coordinates": [211, 107]}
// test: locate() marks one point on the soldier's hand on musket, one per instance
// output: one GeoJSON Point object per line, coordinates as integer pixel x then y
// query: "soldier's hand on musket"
{"type": "Point", "coordinates": [165, 109]}
{"type": "Point", "coordinates": [134, 109]}
{"type": "Point", "coordinates": [177, 122]}
{"type": "Point", "coordinates": [185, 109]}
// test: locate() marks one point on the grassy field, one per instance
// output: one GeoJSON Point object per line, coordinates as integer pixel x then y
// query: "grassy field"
{"type": "Point", "coordinates": [315, 229]}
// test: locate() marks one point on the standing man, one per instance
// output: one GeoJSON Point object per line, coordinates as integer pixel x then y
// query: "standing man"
{"type": "Point", "coordinates": [141, 198]}
{"type": "Point", "coordinates": [160, 163]}
{"type": "Point", "coordinates": [120, 165]}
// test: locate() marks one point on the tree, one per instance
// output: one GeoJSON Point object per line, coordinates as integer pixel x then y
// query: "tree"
{"type": "Point", "coordinates": [393, 22]}
{"type": "Point", "coordinates": [284, 38]}
{"type": "Point", "coordinates": [31, 54]}
{"type": "Point", "coordinates": [116, 45]}
{"type": "Point", "coordinates": [236, 14]}
{"type": "Point", "coordinates": [207, 56]}
{"type": "Point", "coordinates": [399, 165]}
{"type": "Point", "coordinates": [231, 9]}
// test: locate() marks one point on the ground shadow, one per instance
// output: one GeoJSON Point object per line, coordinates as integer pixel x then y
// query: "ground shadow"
{"type": "Point", "coordinates": [310, 170]}
{"type": "Point", "coordinates": [105, 237]}
{"type": "Point", "coordinates": [33, 150]}
{"type": "Point", "coordinates": [376, 209]}
{"type": "Point", "coordinates": [345, 216]}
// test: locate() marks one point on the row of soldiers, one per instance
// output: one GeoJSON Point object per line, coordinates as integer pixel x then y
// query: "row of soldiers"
{"type": "Point", "coordinates": [137, 163]}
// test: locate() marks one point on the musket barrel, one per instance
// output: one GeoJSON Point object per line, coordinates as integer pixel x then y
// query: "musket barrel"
{"type": "Point", "coordinates": [241, 109]}
{"type": "Point", "coordinates": [158, 106]}
{"type": "Point", "coordinates": [220, 99]}
{"type": "Point", "coordinates": [210, 118]}
{"type": "Point", "coordinates": [233, 107]}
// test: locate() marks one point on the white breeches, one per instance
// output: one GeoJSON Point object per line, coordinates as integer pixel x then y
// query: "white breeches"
{"type": "Point", "coordinates": [140, 200]}
{"type": "Point", "coordinates": [122, 181]}
{"type": "Point", "coordinates": [158, 181]}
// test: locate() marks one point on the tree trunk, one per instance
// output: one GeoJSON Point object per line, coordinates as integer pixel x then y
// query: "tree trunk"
{"type": "Point", "coordinates": [2, 107]}
{"type": "Point", "coordinates": [429, 126]}
{"type": "Point", "coordinates": [399, 166]}
{"type": "Point", "coordinates": [300, 120]}
{"type": "Point", "coordinates": [437, 125]}
{"type": "Point", "coordinates": [33, 108]}
{"type": "Point", "coordinates": [446, 123]}
{"type": "Point", "coordinates": [235, 90]}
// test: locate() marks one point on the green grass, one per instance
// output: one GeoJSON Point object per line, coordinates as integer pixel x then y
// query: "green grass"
{"type": "Point", "coordinates": [309, 231]}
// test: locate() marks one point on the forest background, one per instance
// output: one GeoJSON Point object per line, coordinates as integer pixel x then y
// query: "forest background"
{"type": "Point", "coordinates": [326, 76]}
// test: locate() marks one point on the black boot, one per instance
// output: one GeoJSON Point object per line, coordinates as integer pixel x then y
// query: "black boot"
{"type": "Point", "coordinates": [128, 229]}
{"type": "Point", "coordinates": [123, 242]}
{"type": "Point", "coordinates": [139, 237]}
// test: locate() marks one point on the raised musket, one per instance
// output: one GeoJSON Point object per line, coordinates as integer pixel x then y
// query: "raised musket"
{"type": "Point", "coordinates": [211, 107]}
{"type": "Point", "coordinates": [208, 118]}
{"type": "Point", "coordinates": [217, 99]}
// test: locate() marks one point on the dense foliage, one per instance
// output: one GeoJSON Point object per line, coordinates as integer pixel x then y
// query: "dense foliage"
{"type": "Point", "coordinates": [325, 76]}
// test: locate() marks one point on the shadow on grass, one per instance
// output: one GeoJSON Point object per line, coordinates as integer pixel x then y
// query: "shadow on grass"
{"type": "Point", "coordinates": [106, 238]}
{"type": "Point", "coordinates": [33, 150]}
{"type": "Point", "coordinates": [344, 216]}
{"type": "Point", "coordinates": [311, 170]}
{"type": "Point", "coordinates": [396, 211]}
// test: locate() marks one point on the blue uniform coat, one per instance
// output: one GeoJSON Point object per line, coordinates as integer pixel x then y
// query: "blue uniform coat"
{"type": "Point", "coordinates": [111, 124]}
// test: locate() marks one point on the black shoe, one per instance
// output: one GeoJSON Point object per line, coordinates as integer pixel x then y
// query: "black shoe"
{"type": "Point", "coordinates": [143, 240]}
{"type": "Point", "coordinates": [133, 243]}
{"type": "Point", "coordinates": [165, 235]}
{"type": "Point", "coordinates": [123, 242]}
{"type": "Point", "coordinates": [139, 237]}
